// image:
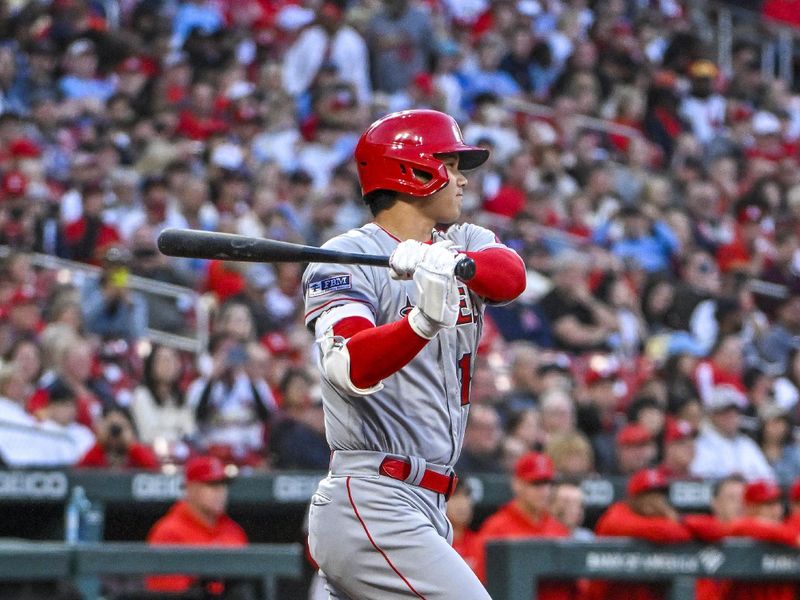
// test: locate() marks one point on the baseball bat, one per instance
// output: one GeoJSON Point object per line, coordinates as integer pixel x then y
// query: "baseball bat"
{"type": "Point", "coordinates": [192, 243]}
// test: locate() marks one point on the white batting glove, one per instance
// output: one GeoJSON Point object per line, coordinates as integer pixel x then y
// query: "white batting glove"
{"type": "Point", "coordinates": [438, 303]}
{"type": "Point", "coordinates": [405, 258]}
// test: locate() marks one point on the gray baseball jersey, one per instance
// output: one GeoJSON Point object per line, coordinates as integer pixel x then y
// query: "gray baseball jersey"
{"type": "Point", "coordinates": [422, 409]}
{"type": "Point", "coordinates": [374, 536]}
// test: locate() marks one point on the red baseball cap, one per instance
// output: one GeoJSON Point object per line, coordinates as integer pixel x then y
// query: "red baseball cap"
{"type": "Point", "coordinates": [634, 435]}
{"type": "Point", "coordinates": [794, 491]}
{"type": "Point", "coordinates": [601, 368]}
{"type": "Point", "coordinates": [206, 469]}
{"type": "Point", "coordinates": [137, 64]}
{"type": "Point", "coordinates": [647, 480]}
{"type": "Point", "coordinates": [24, 148]}
{"type": "Point", "coordinates": [761, 492]}
{"type": "Point", "coordinates": [534, 466]}
{"type": "Point", "coordinates": [677, 430]}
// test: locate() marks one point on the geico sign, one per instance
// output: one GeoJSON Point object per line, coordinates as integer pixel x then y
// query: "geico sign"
{"type": "Point", "coordinates": [145, 486]}
{"type": "Point", "coordinates": [51, 485]}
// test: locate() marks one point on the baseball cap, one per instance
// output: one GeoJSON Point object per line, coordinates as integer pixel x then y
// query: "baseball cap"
{"type": "Point", "coordinates": [293, 17]}
{"type": "Point", "coordinates": [80, 46]}
{"type": "Point", "coordinates": [647, 480]}
{"type": "Point", "coordinates": [794, 491]}
{"type": "Point", "coordinates": [634, 435]}
{"type": "Point", "coordinates": [677, 430]}
{"type": "Point", "coordinates": [137, 64]}
{"type": "Point", "coordinates": [206, 469]}
{"type": "Point", "coordinates": [765, 123]}
{"type": "Point", "coordinates": [723, 397]}
{"type": "Point", "coordinates": [761, 492]}
{"type": "Point", "coordinates": [534, 467]}
{"type": "Point", "coordinates": [601, 368]}
{"type": "Point", "coordinates": [24, 148]}
{"type": "Point", "coordinates": [703, 68]}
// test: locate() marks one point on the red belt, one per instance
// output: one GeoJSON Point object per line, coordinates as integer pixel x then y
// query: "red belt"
{"type": "Point", "coordinates": [431, 480]}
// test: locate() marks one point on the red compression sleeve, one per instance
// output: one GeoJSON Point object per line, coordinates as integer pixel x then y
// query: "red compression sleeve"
{"type": "Point", "coordinates": [499, 274]}
{"type": "Point", "coordinates": [377, 352]}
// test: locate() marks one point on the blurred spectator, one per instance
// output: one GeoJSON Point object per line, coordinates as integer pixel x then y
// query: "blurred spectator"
{"type": "Point", "coordinates": [646, 515]}
{"type": "Point", "coordinates": [159, 409]}
{"type": "Point", "coordinates": [781, 339]}
{"type": "Point", "coordinates": [460, 508]}
{"type": "Point", "coordinates": [763, 521]}
{"type": "Point", "coordinates": [727, 498]}
{"type": "Point", "coordinates": [579, 321]}
{"type": "Point", "coordinates": [199, 519]}
{"type": "Point", "coordinates": [401, 42]}
{"type": "Point", "coordinates": [236, 321]}
{"type": "Point", "coordinates": [20, 446]}
{"type": "Point", "coordinates": [526, 386]}
{"type": "Point", "coordinates": [572, 455]}
{"type": "Point", "coordinates": [527, 515]}
{"type": "Point", "coordinates": [703, 108]}
{"type": "Point", "coordinates": [87, 237]}
{"type": "Point", "coordinates": [721, 373]}
{"type": "Point", "coordinates": [649, 243]}
{"type": "Point", "coordinates": [694, 307]}
{"type": "Point", "coordinates": [110, 308]}
{"type": "Point", "coordinates": [679, 449]}
{"type": "Point", "coordinates": [636, 449]}
{"type": "Point", "coordinates": [81, 81]}
{"type": "Point", "coordinates": [557, 412]}
{"type": "Point", "coordinates": [231, 407]}
{"type": "Point", "coordinates": [486, 76]}
{"type": "Point", "coordinates": [524, 426]}
{"type": "Point", "coordinates": [329, 40]}
{"type": "Point", "coordinates": [156, 211]}
{"type": "Point", "coordinates": [117, 445]}
{"type": "Point", "coordinates": [721, 450]}
{"type": "Point", "coordinates": [568, 509]}
{"type": "Point", "coordinates": [72, 364]}
{"type": "Point", "coordinates": [297, 439]}
{"type": "Point", "coordinates": [598, 413]}
{"type": "Point", "coordinates": [25, 357]}
{"type": "Point", "coordinates": [749, 250]}
{"type": "Point", "coordinates": [481, 450]}
{"type": "Point", "coordinates": [23, 317]}
{"type": "Point", "coordinates": [60, 414]}
{"type": "Point", "coordinates": [163, 312]}
{"type": "Point", "coordinates": [775, 437]}
{"type": "Point", "coordinates": [727, 506]}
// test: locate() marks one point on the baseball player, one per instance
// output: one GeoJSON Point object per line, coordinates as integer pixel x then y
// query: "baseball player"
{"type": "Point", "coordinates": [396, 350]}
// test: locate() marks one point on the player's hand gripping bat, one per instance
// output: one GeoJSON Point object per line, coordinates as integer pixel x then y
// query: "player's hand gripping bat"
{"type": "Point", "coordinates": [192, 243]}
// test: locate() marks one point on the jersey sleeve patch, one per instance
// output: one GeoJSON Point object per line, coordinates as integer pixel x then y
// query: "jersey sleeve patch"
{"type": "Point", "coordinates": [329, 285]}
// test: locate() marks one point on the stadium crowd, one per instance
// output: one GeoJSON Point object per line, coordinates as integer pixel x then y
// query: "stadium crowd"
{"type": "Point", "coordinates": [661, 323]}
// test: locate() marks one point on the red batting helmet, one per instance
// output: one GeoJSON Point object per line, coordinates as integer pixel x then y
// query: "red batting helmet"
{"type": "Point", "coordinates": [400, 143]}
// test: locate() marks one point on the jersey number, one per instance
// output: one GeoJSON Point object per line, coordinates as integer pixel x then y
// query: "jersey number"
{"type": "Point", "coordinates": [465, 375]}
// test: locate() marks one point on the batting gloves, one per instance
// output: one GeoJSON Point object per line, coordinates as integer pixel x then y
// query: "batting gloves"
{"type": "Point", "coordinates": [438, 299]}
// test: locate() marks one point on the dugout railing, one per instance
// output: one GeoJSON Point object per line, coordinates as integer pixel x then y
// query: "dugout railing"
{"type": "Point", "coordinates": [87, 564]}
{"type": "Point", "coordinates": [514, 567]}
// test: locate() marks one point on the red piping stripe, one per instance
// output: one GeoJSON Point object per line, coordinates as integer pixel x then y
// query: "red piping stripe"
{"type": "Point", "coordinates": [374, 545]}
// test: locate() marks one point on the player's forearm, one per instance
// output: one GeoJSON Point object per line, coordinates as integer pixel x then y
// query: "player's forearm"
{"type": "Point", "coordinates": [499, 274]}
{"type": "Point", "coordinates": [378, 352]}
